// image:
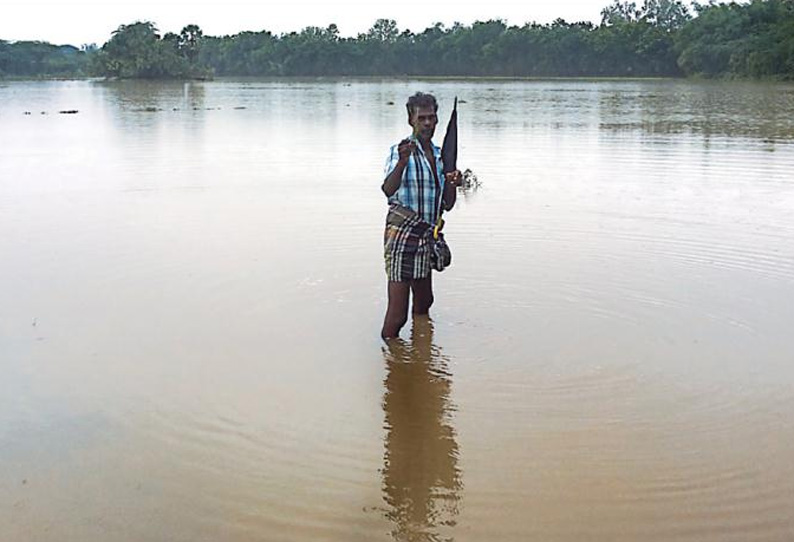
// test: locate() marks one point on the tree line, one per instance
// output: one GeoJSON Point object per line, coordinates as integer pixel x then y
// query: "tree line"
{"type": "Point", "coordinates": [659, 38]}
{"type": "Point", "coordinates": [36, 58]}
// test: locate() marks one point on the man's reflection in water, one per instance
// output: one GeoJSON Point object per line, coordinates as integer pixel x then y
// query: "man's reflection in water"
{"type": "Point", "coordinates": [421, 479]}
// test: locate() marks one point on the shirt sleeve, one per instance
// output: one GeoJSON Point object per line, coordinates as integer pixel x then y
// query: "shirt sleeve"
{"type": "Point", "coordinates": [391, 161]}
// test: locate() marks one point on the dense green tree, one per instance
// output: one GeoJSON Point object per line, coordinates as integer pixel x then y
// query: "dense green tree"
{"type": "Point", "coordinates": [619, 13]}
{"type": "Point", "coordinates": [384, 31]}
{"type": "Point", "coordinates": [137, 51]}
{"type": "Point", "coordinates": [314, 50]}
{"type": "Point", "coordinates": [654, 38]}
{"type": "Point", "coordinates": [667, 15]}
{"type": "Point", "coordinates": [36, 59]}
{"type": "Point", "coordinates": [744, 40]}
{"type": "Point", "coordinates": [190, 42]}
{"type": "Point", "coordinates": [246, 53]}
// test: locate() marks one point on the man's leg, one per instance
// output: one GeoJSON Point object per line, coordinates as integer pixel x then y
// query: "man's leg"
{"type": "Point", "coordinates": [397, 311]}
{"type": "Point", "coordinates": [423, 295]}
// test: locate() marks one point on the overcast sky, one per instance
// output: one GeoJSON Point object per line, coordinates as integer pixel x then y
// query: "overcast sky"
{"type": "Point", "coordinates": [92, 21]}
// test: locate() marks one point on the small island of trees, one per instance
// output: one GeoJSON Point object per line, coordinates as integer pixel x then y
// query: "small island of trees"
{"type": "Point", "coordinates": [660, 38]}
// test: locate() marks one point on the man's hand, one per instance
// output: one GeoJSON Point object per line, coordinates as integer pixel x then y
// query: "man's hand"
{"type": "Point", "coordinates": [455, 178]}
{"type": "Point", "coordinates": [405, 148]}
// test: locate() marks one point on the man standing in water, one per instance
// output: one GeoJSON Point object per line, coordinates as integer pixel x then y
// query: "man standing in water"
{"type": "Point", "coordinates": [417, 190]}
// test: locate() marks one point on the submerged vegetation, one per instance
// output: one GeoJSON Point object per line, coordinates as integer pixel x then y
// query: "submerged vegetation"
{"type": "Point", "coordinates": [660, 38]}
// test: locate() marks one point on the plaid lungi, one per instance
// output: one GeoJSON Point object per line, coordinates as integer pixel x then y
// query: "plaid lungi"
{"type": "Point", "coordinates": [406, 244]}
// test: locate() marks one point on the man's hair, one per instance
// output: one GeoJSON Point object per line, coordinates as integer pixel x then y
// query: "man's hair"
{"type": "Point", "coordinates": [418, 100]}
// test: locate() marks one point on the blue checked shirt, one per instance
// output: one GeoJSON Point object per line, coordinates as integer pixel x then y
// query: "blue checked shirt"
{"type": "Point", "coordinates": [418, 189]}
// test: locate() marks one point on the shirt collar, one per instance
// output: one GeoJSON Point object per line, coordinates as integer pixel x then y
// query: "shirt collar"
{"type": "Point", "coordinates": [436, 149]}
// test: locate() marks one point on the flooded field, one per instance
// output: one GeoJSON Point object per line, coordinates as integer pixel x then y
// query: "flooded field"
{"type": "Point", "coordinates": [192, 289]}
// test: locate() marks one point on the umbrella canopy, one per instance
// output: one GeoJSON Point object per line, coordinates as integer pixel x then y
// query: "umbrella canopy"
{"type": "Point", "coordinates": [449, 149]}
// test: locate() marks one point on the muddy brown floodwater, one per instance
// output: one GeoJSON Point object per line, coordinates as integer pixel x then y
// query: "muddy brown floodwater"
{"type": "Point", "coordinates": [192, 287]}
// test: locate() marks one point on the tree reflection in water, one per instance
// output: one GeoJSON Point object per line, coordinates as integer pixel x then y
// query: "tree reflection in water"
{"type": "Point", "coordinates": [421, 479]}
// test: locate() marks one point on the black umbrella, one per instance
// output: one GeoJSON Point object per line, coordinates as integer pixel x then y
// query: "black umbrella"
{"type": "Point", "coordinates": [449, 149]}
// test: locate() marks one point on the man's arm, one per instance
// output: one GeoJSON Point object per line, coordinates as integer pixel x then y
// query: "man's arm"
{"type": "Point", "coordinates": [395, 177]}
{"type": "Point", "coordinates": [393, 180]}
{"type": "Point", "coordinates": [453, 180]}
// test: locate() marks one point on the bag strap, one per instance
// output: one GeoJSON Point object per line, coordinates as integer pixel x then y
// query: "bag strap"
{"type": "Point", "coordinates": [440, 221]}
{"type": "Point", "coordinates": [440, 185]}
{"type": "Point", "coordinates": [439, 181]}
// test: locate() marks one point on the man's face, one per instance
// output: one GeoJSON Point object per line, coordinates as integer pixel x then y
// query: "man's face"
{"type": "Point", "coordinates": [423, 120]}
